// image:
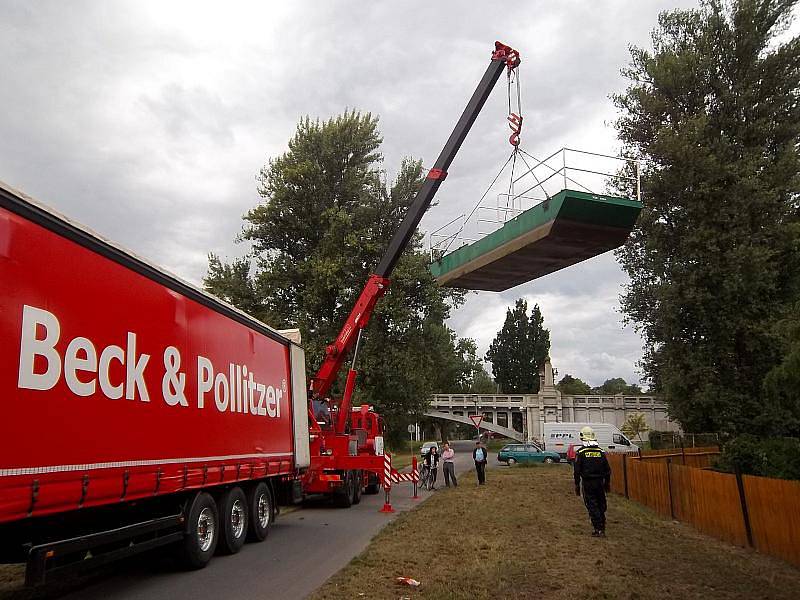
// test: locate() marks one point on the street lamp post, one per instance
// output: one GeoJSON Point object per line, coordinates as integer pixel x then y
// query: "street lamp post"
{"type": "Point", "coordinates": [478, 427]}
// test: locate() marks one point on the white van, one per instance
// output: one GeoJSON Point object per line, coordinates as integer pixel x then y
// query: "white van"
{"type": "Point", "coordinates": [558, 437]}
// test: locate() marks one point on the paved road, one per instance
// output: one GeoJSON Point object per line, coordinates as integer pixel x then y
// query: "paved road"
{"type": "Point", "coordinates": [303, 550]}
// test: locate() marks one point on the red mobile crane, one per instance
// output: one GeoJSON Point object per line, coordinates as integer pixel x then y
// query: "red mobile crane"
{"type": "Point", "coordinates": [345, 459]}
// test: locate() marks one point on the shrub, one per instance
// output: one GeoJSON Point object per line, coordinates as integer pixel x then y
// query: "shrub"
{"type": "Point", "coordinates": [767, 457]}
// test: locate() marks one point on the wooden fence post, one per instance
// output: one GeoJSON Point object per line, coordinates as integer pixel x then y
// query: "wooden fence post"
{"type": "Point", "coordinates": [745, 513]}
{"type": "Point", "coordinates": [669, 488]}
{"type": "Point", "coordinates": [625, 472]}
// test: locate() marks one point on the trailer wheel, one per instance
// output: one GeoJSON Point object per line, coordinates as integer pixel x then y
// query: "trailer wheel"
{"type": "Point", "coordinates": [233, 520]}
{"type": "Point", "coordinates": [358, 479]}
{"type": "Point", "coordinates": [343, 498]}
{"type": "Point", "coordinates": [259, 501]}
{"type": "Point", "coordinates": [202, 534]}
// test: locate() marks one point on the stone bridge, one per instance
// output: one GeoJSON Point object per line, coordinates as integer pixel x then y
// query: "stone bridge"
{"type": "Point", "coordinates": [522, 416]}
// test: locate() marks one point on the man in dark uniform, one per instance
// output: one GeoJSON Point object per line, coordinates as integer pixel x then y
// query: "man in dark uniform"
{"type": "Point", "coordinates": [592, 467]}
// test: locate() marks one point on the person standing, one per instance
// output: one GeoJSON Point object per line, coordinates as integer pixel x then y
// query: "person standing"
{"type": "Point", "coordinates": [432, 462]}
{"type": "Point", "coordinates": [480, 456]}
{"type": "Point", "coordinates": [591, 467]}
{"type": "Point", "coordinates": [448, 466]}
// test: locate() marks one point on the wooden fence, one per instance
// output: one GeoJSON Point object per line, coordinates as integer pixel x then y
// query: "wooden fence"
{"type": "Point", "coordinates": [758, 512]}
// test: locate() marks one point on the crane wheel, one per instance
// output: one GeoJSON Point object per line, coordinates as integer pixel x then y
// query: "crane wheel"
{"type": "Point", "coordinates": [343, 498]}
{"type": "Point", "coordinates": [358, 479]}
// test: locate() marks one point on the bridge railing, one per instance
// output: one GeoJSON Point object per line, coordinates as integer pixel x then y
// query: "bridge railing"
{"type": "Point", "coordinates": [467, 400]}
{"type": "Point", "coordinates": [512, 400]}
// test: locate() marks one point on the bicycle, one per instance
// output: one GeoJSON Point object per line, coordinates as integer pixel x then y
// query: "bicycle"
{"type": "Point", "coordinates": [424, 477]}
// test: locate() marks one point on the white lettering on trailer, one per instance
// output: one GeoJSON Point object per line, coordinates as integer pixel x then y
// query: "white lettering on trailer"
{"type": "Point", "coordinates": [85, 366]}
{"type": "Point", "coordinates": [73, 363]}
{"type": "Point", "coordinates": [205, 379]}
{"type": "Point", "coordinates": [134, 372]}
{"type": "Point", "coordinates": [114, 392]}
{"type": "Point", "coordinates": [31, 347]}
{"type": "Point", "coordinates": [221, 400]}
{"type": "Point", "coordinates": [262, 390]}
{"type": "Point", "coordinates": [245, 391]}
{"type": "Point", "coordinates": [174, 382]}
{"type": "Point", "coordinates": [80, 356]}
{"type": "Point", "coordinates": [242, 394]}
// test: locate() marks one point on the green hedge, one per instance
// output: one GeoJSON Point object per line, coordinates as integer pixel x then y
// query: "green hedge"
{"type": "Point", "coordinates": [767, 457]}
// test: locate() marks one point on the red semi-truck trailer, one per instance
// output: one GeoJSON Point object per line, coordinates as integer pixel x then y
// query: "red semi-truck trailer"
{"type": "Point", "coordinates": [136, 409]}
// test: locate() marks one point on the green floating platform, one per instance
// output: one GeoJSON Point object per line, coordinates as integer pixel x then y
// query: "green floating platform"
{"type": "Point", "coordinates": [567, 229]}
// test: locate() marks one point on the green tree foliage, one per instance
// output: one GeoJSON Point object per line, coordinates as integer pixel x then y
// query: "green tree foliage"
{"type": "Point", "coordinates": [766, 457]}
{"type": "Point", "coordinates": [617, 385]}
{"type": "Point", "coordinates": [482, 383]}
{"type": "Point", "coordinates": [326, 218]}
{"type": "Point", "coordinates": [572, 386]}
{"type": "Point", "coordinates": [713, 108]}
{"type": "Point", "coordinates": [635, 425]}
{"type": "Point", "coordinates": [519, 350]}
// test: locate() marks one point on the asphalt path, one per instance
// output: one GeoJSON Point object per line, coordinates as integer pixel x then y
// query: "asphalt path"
{"type": "Point", "coordinates": [304, 548]}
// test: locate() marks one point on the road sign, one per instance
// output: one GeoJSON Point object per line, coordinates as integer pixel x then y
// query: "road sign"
{"type": "Point", "coordinates": [476, 419]}
{"type": "Point", "coordinates": [411, 428]}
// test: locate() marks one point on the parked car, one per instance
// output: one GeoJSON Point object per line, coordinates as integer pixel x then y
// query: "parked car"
{"type": "Point", "coordinates": [426, 447]}
{"type": "Point", "coordinates": [521, 453]}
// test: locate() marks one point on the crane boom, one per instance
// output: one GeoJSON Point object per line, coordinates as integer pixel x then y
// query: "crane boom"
{"type": "Point", "coordinates": [502, 57]}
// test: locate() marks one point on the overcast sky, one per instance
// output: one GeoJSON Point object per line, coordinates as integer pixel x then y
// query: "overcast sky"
{"type": "Point", "coordinates": [148, 120]}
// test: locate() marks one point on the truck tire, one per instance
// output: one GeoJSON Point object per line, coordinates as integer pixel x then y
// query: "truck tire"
{"type": "Point", "coordinates": [202, 535]}
{"type": "Point", "coordinates": [373, 485]}
{"type": "Point", "coordinates": [234, 515]}
{"type": "Point", "coordinates": [343, 498]}
{"type": "Point", "coordinates": [358, 479]}
{"type": "Point", "coordinates": [259, 501]}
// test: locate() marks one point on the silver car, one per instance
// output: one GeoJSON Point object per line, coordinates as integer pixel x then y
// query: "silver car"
{"type": "Point", "coordinates": [426, 447]}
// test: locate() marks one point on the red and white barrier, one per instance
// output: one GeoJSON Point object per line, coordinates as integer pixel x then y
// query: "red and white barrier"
{"type": "Point", "coordinates": [387, 483]}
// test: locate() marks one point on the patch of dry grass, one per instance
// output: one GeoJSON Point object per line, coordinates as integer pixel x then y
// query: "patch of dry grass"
{"type": "Point", "coordinates": [526, 535]}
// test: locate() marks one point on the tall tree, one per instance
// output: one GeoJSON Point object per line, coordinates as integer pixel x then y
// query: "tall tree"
{"type": "Point", "coordinates": [519, 350]}
{"type": "Point", "coordinates": [616, 385]}
{"type": "Point", "coordinates": [572, 386]}
{"type": "Point", "coordinates": [482, 383]}
{"type": "Point", "coordinates": [326, 218]}
{"type": "Point", "coordinates": [713, 109]}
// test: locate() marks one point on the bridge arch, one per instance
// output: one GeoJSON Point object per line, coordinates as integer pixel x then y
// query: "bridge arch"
{"type": "Point", "coordinates": [493, 427]}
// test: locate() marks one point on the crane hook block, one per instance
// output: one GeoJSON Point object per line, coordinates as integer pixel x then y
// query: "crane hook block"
{"type": "Point", "coordinates": [506, 53]}
{"type": "Point", "coordinates": [515, 123]}
{"type": "Point", "coordinates": [437, 174]}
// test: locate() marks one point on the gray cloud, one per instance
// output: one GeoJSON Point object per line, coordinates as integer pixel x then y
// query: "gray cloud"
{"type": "Point", "coordinates": [148, 121]}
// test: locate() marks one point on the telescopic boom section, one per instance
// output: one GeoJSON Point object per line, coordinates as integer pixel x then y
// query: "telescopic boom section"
{"type": "Point", "coordinates": [502, 57]}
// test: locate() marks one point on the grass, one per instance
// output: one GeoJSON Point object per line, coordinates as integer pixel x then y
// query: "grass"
{"type": "Point", "coordinates": [526, 535]}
